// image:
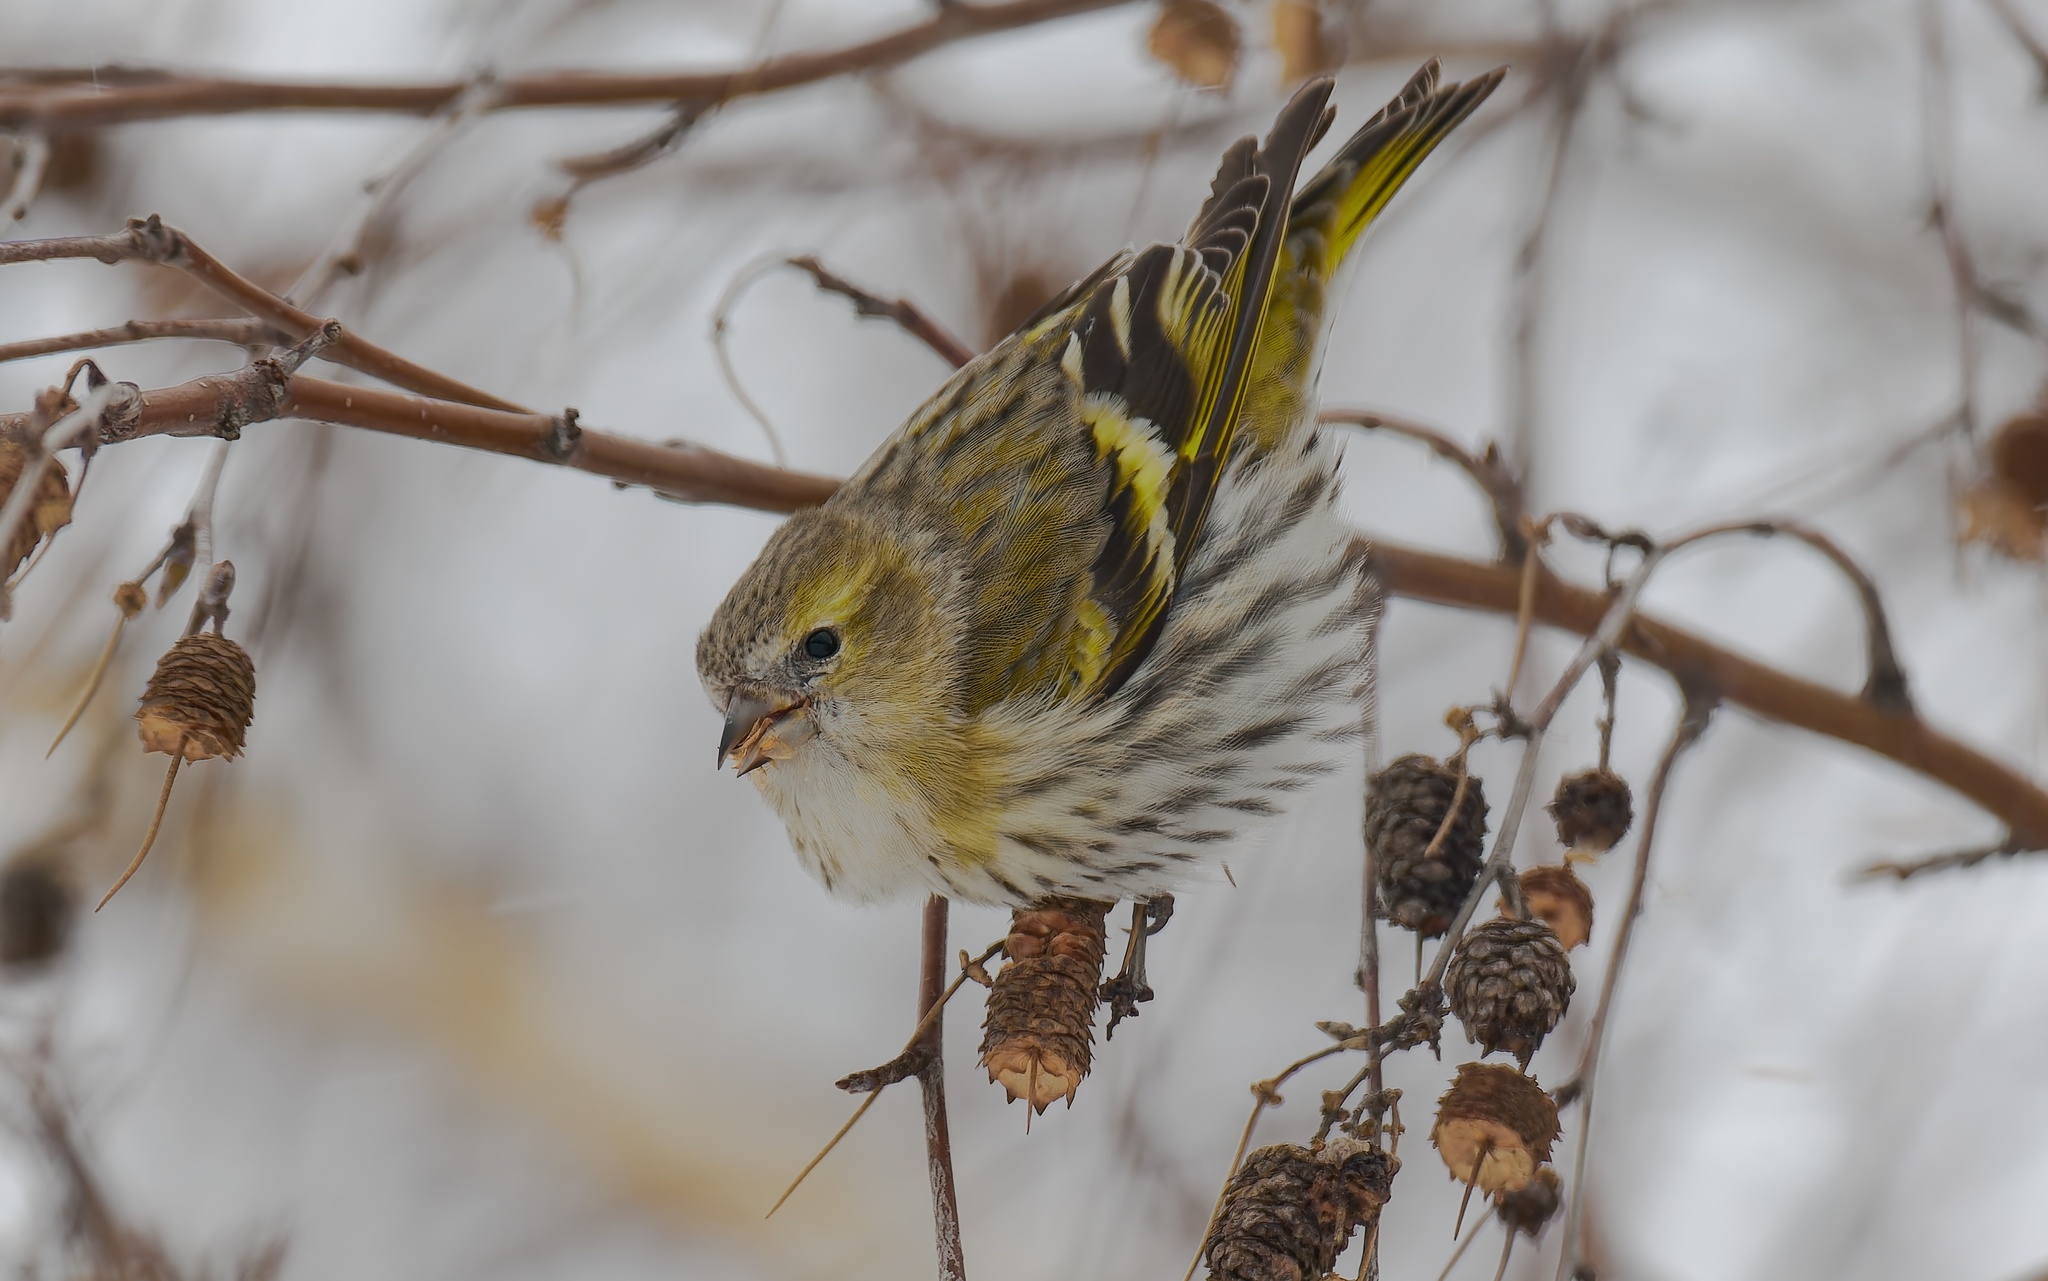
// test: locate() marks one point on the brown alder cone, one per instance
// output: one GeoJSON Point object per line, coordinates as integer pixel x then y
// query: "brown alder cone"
{"type": "Point", "coordinates": [1527, 1210]}
{"type": "Point", "coordinates": [1494, 1127]}
{"type": "Point", "coordinates": [202, 696]}
{"type": "Point", "coordinates": [1594, 810]}
{"type": "Point", "coordinates": [1405, 804]}
{"type": "Point", "coordinates": [1558, 898]}
{"type": "Point", "coordinates": [1509, 984]}
{"type": "Point", "coordinates": [1038, 1039]}
{"type": "Point", "coordinates": [2008, 509]}
{"type": "Point", "coordinates": [1302, 35]}
{"type": "Point", "coordinates": [50, 511]}
{"type": "Point", "coordinates": [1289, 1211]}
{"type": "Point", "coordinates": [1198, 40]}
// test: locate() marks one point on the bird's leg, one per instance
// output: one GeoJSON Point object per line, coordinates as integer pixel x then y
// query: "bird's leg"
{"type": "Point", "coordinates": [1123, 993]}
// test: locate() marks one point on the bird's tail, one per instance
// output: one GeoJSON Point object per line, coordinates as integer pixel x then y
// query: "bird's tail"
{"type": "Point", "coordinates": [1329, 213]}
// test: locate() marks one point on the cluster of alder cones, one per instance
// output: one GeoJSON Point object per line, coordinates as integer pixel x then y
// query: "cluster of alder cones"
{"type": "Point", "coordinates": [1290, 1210]}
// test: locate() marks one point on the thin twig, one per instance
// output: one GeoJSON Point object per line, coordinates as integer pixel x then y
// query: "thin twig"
{"type": "Point", "coordinates": [1699, 710]}
{"type": "Point", "coordinates": [1937, 111]}
{"type": "Point", "coordinates": [1487, 469]}
{"type": "Point", "coordinates": [1945, 862]}
{"type": "Point", "coordinates": [241, 332]}
{"type": "Point", "coordinates": [1884, 686]}
{"type": "Point", "coordinates": [873, 1081]}
{"type": "Point", "coordinates": [905, 314]}
{"type": "Point", "coordinates": [343, 255]}
{"type": "Point", "coordinates": [721, 321]}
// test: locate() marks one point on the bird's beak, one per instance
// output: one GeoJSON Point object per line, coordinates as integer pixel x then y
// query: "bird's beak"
{"type": "Point", "coordinates": [760, 728]}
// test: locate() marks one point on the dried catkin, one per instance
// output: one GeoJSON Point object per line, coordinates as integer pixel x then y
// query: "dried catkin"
{"type": "Point", "coordinates": [202, 696]}
{"type": "Point", "coordinates": [47, 513]}
{"type": "Point", "coordinates": [1421, 888]}
{"type": "Point", "coordinates": [1038, 1039]}
{"type": "Point", "coordinates": [1289, 1211]}
{"type": "Point", "coordinates": [1509, 984]}
{"type": "Point", "coordinates": [1494, 1127]}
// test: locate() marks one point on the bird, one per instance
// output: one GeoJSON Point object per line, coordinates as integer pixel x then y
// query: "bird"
{"type": "Point", "coordinates": [1088, 622]}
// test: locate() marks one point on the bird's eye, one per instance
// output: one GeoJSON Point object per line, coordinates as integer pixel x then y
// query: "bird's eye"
{"type": "Point", "coordinates": [823, 643]}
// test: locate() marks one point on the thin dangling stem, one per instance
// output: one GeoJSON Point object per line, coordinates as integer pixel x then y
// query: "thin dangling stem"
{"type": "Point", "coordinates": [163, 801]}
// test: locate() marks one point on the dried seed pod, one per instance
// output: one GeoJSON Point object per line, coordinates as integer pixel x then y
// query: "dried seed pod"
{"type": "Point", "coordinates": [1038, 1038]}
{"type": "Point", "coordinates": [1494, 1126]}
{"type": "Point", "coordinates": [1405, 805]}
{"type": "Point", "coordinates": [49, 512]}
{"type": "Point", "coordinates": [1533, 1205]}
{"type": "Point", "coordinates": [1557, 897]}
{"type": "Point", "coordinates": [1593, 810]}
{"type": "Point", "coordinates": [1289, 1211]}
{"type": "Point", "coordinates": [2008, 509]}
{"type": "Point", "coordinates": [1302, 34]}
{"type": "Point", "coordinates": [1509, 984]}
{"type": "Point", "coordinates": [197, 706]}
{"type": "Point", "coordinates": [200, 700]}
{"type": "Point", "coordinates": [36, 905]}
{"type": "Point", "coordinates": [1198, 40]}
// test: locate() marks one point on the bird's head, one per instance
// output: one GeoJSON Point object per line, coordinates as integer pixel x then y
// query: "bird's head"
{"type": "Point", "coordinates": [835, 631]}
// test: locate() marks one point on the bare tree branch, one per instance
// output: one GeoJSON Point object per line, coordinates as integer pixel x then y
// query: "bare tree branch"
{"type": "Point", "coordinates": [78, 103]}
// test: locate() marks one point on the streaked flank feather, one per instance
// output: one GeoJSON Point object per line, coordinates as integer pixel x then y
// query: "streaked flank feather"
{"type": "Point", "coordinates": [1088, 620]}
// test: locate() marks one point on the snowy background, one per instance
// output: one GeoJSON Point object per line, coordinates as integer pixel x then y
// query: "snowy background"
{"type": "Point", "coordinates": [475, 968]}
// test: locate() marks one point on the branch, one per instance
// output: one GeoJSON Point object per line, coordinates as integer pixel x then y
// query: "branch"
{"type": "Point", "coordinates": [150, 240]}
{"type": "Point", "coordinates": [221, 404]}
{"type": "Point", "coordinates": [931, 1080]}
{"type": "Point", "coordinates": [75, 104]}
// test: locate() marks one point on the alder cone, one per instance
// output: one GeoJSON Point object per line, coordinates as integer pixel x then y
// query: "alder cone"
{"type": "Point", "coordinates": [1557, 897]}
{"type": "Point", "coordinates": [47, 513]}
{"type": "Point", "coordinates": [200, 699]}
{"type": "Point", "coordinates": [1527, 1210]}
{"type": "Point", "coordinates": [1289, 1211]}
{"type": "Point", "coordinates": [1509, 984]}
{"type": "Point", "coordinates": [1198, 40]}
{"type": "Point", "coordinates": [1405, 804]}
{"type": "Point", "coordinates": [1038, 1038]}
{"type": "Point", "coordinates": [1494, 1127]}
{"type": "Point", "coordinates": [2008, 509]}
{"type": "Point", "coordinates": [1593, 809]}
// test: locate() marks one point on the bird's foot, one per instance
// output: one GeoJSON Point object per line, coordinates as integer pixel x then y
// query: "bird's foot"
{"type": "Point", "coordinates": [1124, 993]}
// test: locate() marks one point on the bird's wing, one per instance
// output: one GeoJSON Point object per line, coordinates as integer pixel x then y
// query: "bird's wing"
{"type": "Point", "coordinates": [1158, 350]}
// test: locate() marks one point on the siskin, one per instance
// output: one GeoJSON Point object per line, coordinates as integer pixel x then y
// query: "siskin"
{"type": "Point", "coordinates": [1090, 618]}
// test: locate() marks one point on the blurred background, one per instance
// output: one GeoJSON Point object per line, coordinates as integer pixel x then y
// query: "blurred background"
{"type": "Point", "coordinates": [474, 967]}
